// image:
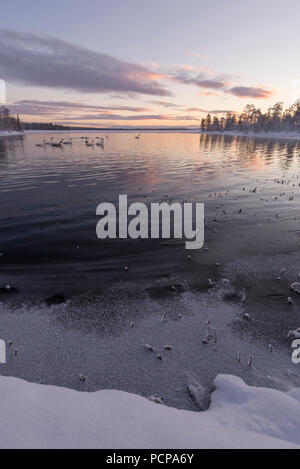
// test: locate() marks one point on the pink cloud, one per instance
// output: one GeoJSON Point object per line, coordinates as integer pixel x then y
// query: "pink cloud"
{"type": "Point", "coordinates": [251, 92]}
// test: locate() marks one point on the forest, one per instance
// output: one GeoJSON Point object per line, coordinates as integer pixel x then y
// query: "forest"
{"type": "Point", "coordinates": [7, 122]}
{"type": "Point", "coordinates": [11, 123]}
{"type": "Point", "coordinates": [276, 119]}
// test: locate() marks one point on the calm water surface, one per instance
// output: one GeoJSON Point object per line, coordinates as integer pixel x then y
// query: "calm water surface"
{"type": "Point", "coordinates": [49, 198]}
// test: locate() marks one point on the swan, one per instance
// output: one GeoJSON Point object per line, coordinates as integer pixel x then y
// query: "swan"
{"type": "Point", "coordinates": [56, 144]}
{"type": "Point", "coordinates": [41, 144]}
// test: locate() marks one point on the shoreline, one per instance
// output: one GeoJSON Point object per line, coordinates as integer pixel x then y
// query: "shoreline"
{"type": "Point", "coordinates": [8, 133]}
{"type": "Point", "coordinates": [272, 135]}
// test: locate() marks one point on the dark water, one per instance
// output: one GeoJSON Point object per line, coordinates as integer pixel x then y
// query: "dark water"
{"type": "Point", "coordinates": [48, 243]}
{"type": "Point", "coordinates": [49, 198]}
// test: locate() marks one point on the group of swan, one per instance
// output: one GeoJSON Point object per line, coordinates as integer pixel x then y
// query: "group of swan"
{"type": "Point", "coordinates": [62, 142]}
{"type": "Point", "coordinates": [55, 144]}
{"type": "Point", "coordinates": [100, 143]}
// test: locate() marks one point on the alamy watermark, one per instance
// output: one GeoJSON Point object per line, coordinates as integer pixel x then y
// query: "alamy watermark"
{"type": "Point", "coordinates": [296, 352]}
{"type": "Point", "coordinates": [2, 92]}
{"type": "Point", "coordinates": [2, 352]}
{"type": "Point", "coordinates": [159, 221]}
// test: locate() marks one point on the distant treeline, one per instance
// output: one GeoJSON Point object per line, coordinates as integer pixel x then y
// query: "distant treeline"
{"type": "Point", "coordinates": [43, 126]}
{"type": "Point", "coordinates": [276, 119]}
{"type": "Point", "coordinates": [7, 122]}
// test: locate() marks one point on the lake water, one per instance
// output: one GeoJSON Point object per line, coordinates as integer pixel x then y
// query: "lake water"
{"type": "Point", "coordinates": [250, 187]}
{"type": "Point", "coordinates": [49, 198]}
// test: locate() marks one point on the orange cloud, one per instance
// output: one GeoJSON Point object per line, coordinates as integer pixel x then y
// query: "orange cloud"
{"type": "Point", "coordinates": [208, 93]}
{"type": "Point", "coordinates": [155, 76]}
{"type": "Point", "coordinates": [188, 67]}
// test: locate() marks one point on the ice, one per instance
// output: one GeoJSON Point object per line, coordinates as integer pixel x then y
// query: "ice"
{"type": "Point", "coordinates": [295, 287]}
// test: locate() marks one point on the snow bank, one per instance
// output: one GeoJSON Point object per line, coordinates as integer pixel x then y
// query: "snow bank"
{"type": "Point", "coordinates": [8, 133]}
{"type": "Point", "coordinates": [34, 416]}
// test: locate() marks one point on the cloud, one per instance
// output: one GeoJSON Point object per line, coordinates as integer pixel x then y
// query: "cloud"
{"type": "Point", "coordinates": [43, 61]}
{"type": "Point", "coordinates": [212, 84]}
{"type": "Point", "coordinates": [202, 80]}
{"type": "Point", "coordinates": [166, 104]}
{"type": "Point", "coordinates": [251, 92]}
{"type": "Point", "coordinates": [50, 108]}
{"type": "Point", "coordinates": [213, 111]}
{"type": "Point", "coordinates": [207, 80]}
{"type": "Point", "coordinates": [208, 93]}
{"type": "Point", "coordinates": [188, 67]}
{"type": "Point", "coordinates": [219, 82]}
{"type": "Point", "coordinates": [57, 110]}
{"type": "Point", "coordinates": [195, 109]}
{"type": "Point", "coordinates": [133, 126]}
{"type": "Point", "coordinates": [138, 117]}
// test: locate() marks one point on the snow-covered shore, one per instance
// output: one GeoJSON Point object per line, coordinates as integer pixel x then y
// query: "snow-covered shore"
{"type": "Point", "coordinates": [9, 133]}
{"type": "Point", "coordinates": [36, 416]}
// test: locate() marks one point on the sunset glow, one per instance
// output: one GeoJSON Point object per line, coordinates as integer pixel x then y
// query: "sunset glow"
{"type": "Point", "coordinates": [101, 78]}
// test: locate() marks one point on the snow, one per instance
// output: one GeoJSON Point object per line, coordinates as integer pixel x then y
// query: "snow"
{"type": "Point", "coordinates": [9, 133]}
{"type": "Point", "coordinates": [294, 334]}
{"type": "Point", "coordinates": [36, 416]}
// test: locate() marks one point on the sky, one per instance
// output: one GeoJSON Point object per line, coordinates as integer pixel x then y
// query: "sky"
{"type": "Point", "coordinates": [123, 63]}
